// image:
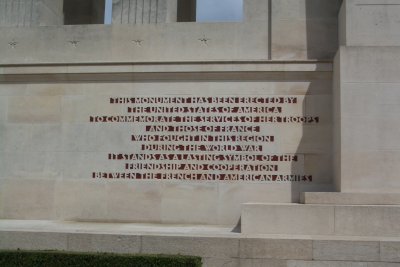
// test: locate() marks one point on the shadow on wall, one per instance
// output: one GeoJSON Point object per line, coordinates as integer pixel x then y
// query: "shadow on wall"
{"type": "Point", "coordinates": [322, 24]}
{"type": "Point", "coordinates": [78, 12]}
{"type": "Point", "coordinates": [314, 152]}
{"type": "Point", "coordinates": [315, 146]}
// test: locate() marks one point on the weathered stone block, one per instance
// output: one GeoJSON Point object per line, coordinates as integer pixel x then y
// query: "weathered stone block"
{"type": "Point", "coordinates": [255, 248]}
{"type": "Point", "coordinates": [346, 250]}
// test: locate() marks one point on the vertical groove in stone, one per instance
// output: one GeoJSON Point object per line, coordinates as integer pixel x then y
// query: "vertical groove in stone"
{"type": "Point", "coordinates": [153, 11]}
{"type": "Point", "coordinates": [136, 11]}
{"type": "Point", "coordinates": [142, 11]}
{"type": "Point", "coordinates": [122, 10]}
{"type": "Point", "coordinates": [156, 11]}
{"type": "Point", "coordinates": [30, 13]}
{"type": "Point", "coordinates": [149, 11]}
{"type": "Point", "coordinates": [129, 11]}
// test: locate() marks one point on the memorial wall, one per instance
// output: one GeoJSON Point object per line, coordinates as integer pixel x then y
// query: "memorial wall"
{"type": "Point", "coordinates": [169, 123]}
{"type": "Point", "coordinates": [267, 142]}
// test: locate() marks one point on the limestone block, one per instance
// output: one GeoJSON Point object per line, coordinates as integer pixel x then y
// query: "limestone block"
{"type": "Point", "coordinates": [33, 165]}
{"type": "Point", "coordinates": [208, 247]}
{"type": "Point", "coordinates": [382, 220]}
{"type": "Point", "coordinates": [12, 89]}
{"type": "Point", "coordinates": [129, 244]}
{"type": "Point", "coordinates": [134, 201]}
{"type": "Point", "coordinates": [189, 202]}
{"type": "Point", "coordinates": [287, 219]}
{"type": "Point", "coordinates": [370, 23]}
{"type": "Point", "coordinates": [366, 147]}
{"type": "Point", "coordinates": [312, 26]}
{"type": "Point", "coordinates": [17, 137]}
{"type": "Point", "coordinates": [376, 178]}
{"type": "Point", "coordinates": [44, 109]}
{"type": "Point", "coordinates": [232, 195]}
{"type": "Point", "coordinates": [346, 250]}
{"type": "Point", "coordinates": [79, 137]}
{"type": "Point", "coordinates": [85, 163]}
{"type": "Point", "coordinates": [257, 248]}
{"type": "Point", "coordinates": [80, 200]}
{"type": "Point", "coordinates": [390, 251]}
{"type": "Point", "coordinates": [46, 137]}
{"type": "Point", "coordinates": [32, 240]}
{"type": "Point", "coordinates": [35, 199]}
{"type": "Point", "coordinates": [116, 137]}
{"type": "Point", "coordinates": [370, 64]}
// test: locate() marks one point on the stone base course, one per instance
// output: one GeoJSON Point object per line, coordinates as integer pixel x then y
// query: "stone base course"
{"type": "Point", "coordinates": [218, 246]}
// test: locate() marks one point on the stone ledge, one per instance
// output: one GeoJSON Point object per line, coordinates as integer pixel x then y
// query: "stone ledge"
{"type": "Point", "coordinates": [336, 198]}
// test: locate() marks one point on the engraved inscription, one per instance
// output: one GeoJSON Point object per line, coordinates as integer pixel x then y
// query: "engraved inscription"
{"type": "Point", "coordinates": [204, 138]}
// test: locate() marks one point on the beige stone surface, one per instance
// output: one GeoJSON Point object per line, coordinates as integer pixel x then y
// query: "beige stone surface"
{"type": "Point", "coordinates": [276, 249]}
{"type": "Point", "coordinates": [287, 219]}
{"type": "Point", "coordinates": [304, 29]}
{"type": "Point", "coordinates": [161, 42]}
{"type": "Point", "coordinates": [349, 198]}
{"type": "Point", "coordinates": [91, 205]}
{"type": "Point", "coordinates": [33, 241]}
{"type": "Point", "coordinates": [34, 109]}
{"type": "Point", "coordinates": [390, 251]}
{"type": "Point", "coordinates": [217, 246]}
{"type": "Point", "coordinates": [311, 219]}
{"type": "Point", "coordinates": [367, 146]}
{"type": "Point", "coordinates": [369, 23]}
{"type": "Point", "coordinates": [381, 220]}
{"type": "Point", "coordinates": [138, 202]}
{"type": "Point", "coordinates": [104, 243]}
{"type": "Point", "coordinates": [46, 149]}
{"type": "Point", "coordinates": [26, 199]}
{"type": "Point", "coordinates": [32, 165]}
{"type": "Point", "coordinates": [346, 250]}
{"type": "Point", "coordinates": [189, 202]}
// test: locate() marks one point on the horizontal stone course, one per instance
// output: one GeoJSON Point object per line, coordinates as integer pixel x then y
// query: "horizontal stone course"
{"type": "Point", "coordinates": [349, 198]}
{"type": "Point", "coordinates": [312, 219]}
{"type": "Point", "coordinates": [276, 249]}
{"type": "Point", "coordinates": [205, 247]}
{"type": "Point", "coordinates": [233, 249]}
{"type": "Point", "coordinates": [346, 250]}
